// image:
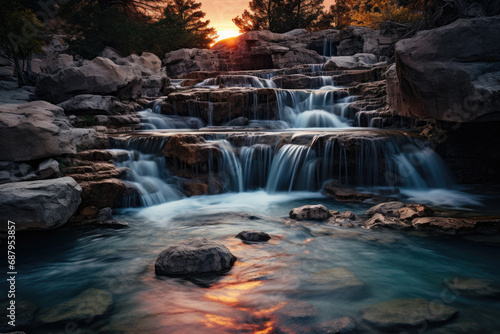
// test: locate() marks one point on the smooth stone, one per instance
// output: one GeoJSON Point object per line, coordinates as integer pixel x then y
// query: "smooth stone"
{"type": "Point", "coordinates": [474, 288]}
{"type": "Point", "coordinates": [194, 256]}
{"type": "Point", "coordinates": [338, 281]}
{"type": "Point", "coordinates": [253, 236]}
{"type": "Point", "coordinates": [89, 304]}
{"type": "Point", "coordinates": [403, 314]}
{"type": "Point", "coordinates": [297, 309]}
{"type": "Point", "coordinates": [310, 212]}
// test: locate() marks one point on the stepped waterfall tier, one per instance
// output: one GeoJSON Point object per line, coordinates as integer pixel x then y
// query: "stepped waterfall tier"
{"type": "Point", "coordinates": [335, 181]}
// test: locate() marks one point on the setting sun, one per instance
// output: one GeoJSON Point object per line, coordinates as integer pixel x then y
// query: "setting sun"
{"type": "Point", "coordinates": [223, 34]}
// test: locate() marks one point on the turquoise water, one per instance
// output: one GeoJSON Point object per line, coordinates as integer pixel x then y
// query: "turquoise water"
{"type": "Point", "coordinates": [58, 265]}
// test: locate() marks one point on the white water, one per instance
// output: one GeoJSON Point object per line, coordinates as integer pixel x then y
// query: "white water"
{"type": "Point", "coordinates": [318, 119]}
{"type": "Point", "coordinates": [237, 81]}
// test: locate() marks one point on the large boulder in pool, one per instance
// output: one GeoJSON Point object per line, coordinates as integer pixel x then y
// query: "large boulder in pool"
{"type": "Point", "coordinates": [406, 314]}
{"type": "Point", "coordinates": [449, 73]}
{"type": "Point", "coordinates": [311, 212]}
{"type": "Point", "coordinates": [194, 256]}
{"type": "Point", "coordinates": [39, 205]}
{"type": "Point", "coordinates": [251, 235]}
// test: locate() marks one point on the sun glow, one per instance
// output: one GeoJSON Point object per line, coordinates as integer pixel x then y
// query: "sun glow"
{"type": "Point", "coordinates": [223, 34]}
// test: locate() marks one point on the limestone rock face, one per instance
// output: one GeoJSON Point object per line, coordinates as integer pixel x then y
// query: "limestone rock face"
{"type": "Point", "coordinates": [194, 256]}
{"type": "Point", "coordinates": [189, 60]}
{"type": "Point", "coordinates": [403, 314]}
{"type": "Point", "coordinates": [35, 205]}
{"type": "Point", "coordinates": [100, 76]}
{"type": "Point", "coordinates": [449, 73]}
{"type": "Point", "coordinates": [37, 130]}
{"type": "Point", "coordinates": [310, 212]}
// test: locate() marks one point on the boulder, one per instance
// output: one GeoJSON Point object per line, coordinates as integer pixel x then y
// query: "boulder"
{"type": "Point", "coordinates": [100, 76]}
{"type": "Point", "coordinates": [390, 209]}
{"type": "Point", "coordinates": [410, 211]}
{"type": "Point", "coordinates": [184, 61]}
{"type": "Point", "coordinates": [35, 205]}
{"type": "Point", "coordinates": [310, 212]}
{"type": "Point", "coordinates": [103, 193]}
{"type": "Point", "coordinates": [88, 104]}
{"type": "Point", "coordinates": [406, 314]}
{"type": "Point", "coordinates": [253, 236]}
{"type": "Point", "coordinates": [190, 149]}
{"type": "Point", "coordinates": [445, 225]}
{"type": "Point", "coordinates": [48, 169]}
{"type": "Point", "coordinates": [357, 62]}
{"type": "Point", "coordinates": [474, 288]}
{"type": "Point", "coordinates": [38, 130]}
{"type": "Point", "coordinates": [194, 256]}
{"type": "Point", "coordinates": [88, 305]}
{"type": "Point", "coordinates": [380, 221]}
{"type": "Point", "coordinates": [467, 50]}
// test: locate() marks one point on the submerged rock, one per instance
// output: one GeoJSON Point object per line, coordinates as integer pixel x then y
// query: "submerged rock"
{"type": "Point", "coordinates": [35, 205]}
{"type": "Point", "coordinates": [253, 236]}
{"type": "Point", "coordinates": [339, 281]}
{"type": "Point", "coordinates": [310, 212]}
{"type": "Point", "coordinates": [89, 304]}
{"type": "Point", "coordinates": [297, 309]}
{"type": "Point", "coordinates": [194, 256]}
{"type": "Point", "coordinates": [404, 314]}
{"type": "Point", "coordinates": [343, 325]}
{"type": "Point", "coordinates": [474, 288]}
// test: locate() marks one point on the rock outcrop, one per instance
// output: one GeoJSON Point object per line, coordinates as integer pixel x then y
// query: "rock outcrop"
{"type": "Point", "coordinates": [100, 76]}
{"type": "Point", "coordinates": [37, 130]}
{"type": "Point", "coordinates": [194, 256]}
{"type": "Point", "coordinates": [468, 51]}
{"type": "Point", "coordinates": [359, 61]}
{"type": "Point", "coordinates": [35, 205]}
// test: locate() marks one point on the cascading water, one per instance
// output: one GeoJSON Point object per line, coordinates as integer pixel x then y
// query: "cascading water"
{"type": "Point", "coordinates": [148, 174]}
{"type": "Point", "coordinates": [238, 81]}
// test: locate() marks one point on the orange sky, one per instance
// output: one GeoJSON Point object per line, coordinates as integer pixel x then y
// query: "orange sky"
{"type": "Point", "coordinates": [221, 12]}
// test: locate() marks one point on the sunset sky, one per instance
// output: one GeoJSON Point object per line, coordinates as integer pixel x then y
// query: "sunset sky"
{"type": "Point", "coordinates": [221, 12]}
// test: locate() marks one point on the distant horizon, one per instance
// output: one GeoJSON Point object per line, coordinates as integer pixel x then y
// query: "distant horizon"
{"type": "Point", "coordinates": [221, 13]}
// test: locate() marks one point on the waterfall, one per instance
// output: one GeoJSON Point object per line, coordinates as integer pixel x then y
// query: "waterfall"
{"type": "Point", "coordinates": [148, 174]}
{"type": "Point", "coordinates": [230, 167]}
{"type": "Point", "coordinates": [318, 119]}
{"type": "Point", "coordinates": [287, 167]}
{"type": "Point", "coordinates": [238, 81]}
{"type": "Point", "coordinates": [256, 163]}
{"type": "Point", "coordinates": [315, 68]}
{"type": "Point", "coordinates": [154, 121]}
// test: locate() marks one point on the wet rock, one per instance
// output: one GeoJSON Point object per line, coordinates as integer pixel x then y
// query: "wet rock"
{"type": "Point", "coordinates": [105, 214]}
{"type": "Point", "coordinates": [294, 309]}
{"type": "Point", "coordinates": [474, 288]}
{"type": "Point", "coordinates": [253, 236]}
{"type": "Point", "coordinates": [405, 314]}
{"type": "Point", "coordinates": [445, 225]}
{"type": "Point", "coordinates": [380, 221]}
{"type": "Point", "coordinates": [310, 212]}
{"type": "Point", "coordinates": [410, 211]}
{"type": "Point", "coordinates": [344, 194]}
{"type": "Point", "coordinates": [90, 304]}
{"type": "Point", "coordinates": [194, 256]}
{"type": "Point", "coordinates": [339, 281]}
{"type": "Point", "coordinates": [342, 218]}
{"type": "Point", "coordinates": [190, 149]}
{"type": "Point", "coordinates": [104, 193]}
{"type": "Point", "coordinates": [240, 121]}
{"type": "Point", "coordinates": [44, 204]}
{"type": "Point", "coordinates": [343, 325]}
{"type": "Point", "coordinates": [194, 188]}
{"type": "Point", "coordinates": [390, 209]}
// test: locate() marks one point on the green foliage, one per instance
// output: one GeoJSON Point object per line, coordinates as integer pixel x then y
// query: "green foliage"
{"type": "Point", "coordinates": [279, 15]}
{"type": "Point", "coordinates": [21, 35]}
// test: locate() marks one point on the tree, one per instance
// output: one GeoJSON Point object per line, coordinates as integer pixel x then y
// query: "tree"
{"type": "Point", "coordinates": [20, 37]}
{"type": "Point", "coordinates": [337, 17]}
{"type": "Point", "coordinates": [279, 15]}
{"type": "Point", "coordinates": [372, 13]}
{"type": "Point", "coordinates": [186, 18]}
